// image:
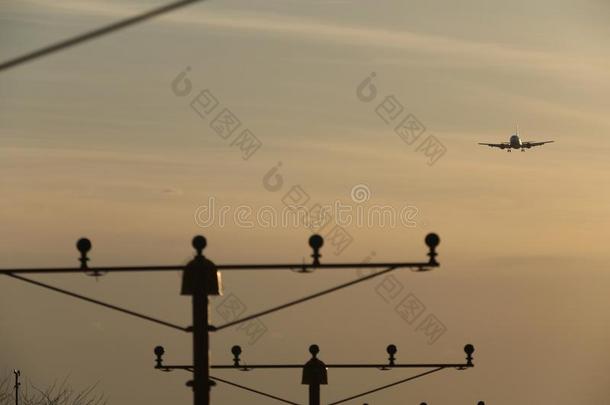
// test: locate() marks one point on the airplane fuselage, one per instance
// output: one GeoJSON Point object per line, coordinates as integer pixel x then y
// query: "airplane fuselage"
{"type": "Point", "coordinates": [515, 142]}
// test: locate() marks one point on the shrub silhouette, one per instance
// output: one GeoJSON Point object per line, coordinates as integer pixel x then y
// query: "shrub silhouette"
{"type": "Point", "coordinates": [56, 394]}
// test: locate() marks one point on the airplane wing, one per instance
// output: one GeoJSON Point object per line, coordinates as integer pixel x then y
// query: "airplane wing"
{"type": "Point", "coordinates": [502, 145]}
{"type": "Point", "coordinates": [531, 144]}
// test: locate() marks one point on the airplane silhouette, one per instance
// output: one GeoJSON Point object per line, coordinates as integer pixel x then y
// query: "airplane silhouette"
{"type": "Point", "coordinates": [515, 142]}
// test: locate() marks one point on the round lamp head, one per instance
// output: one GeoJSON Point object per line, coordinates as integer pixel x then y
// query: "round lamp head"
{"type": "Point", "coordinates": [432, 240]}
{"type": "Point", "coordinates": [469, 349]}
{"type": "Point", "coordinates": [199, 243]}
{"type": "Point", "coordinates": [316, 241]}
{"type": "Point", "coordinates": [83, 245]}
{"type": "Point", "coordinates": [236, 350]}
{"type": "Point", "coordinates": [314, 350]}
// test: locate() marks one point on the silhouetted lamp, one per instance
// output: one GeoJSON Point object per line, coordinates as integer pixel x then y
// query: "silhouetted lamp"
{"type": "Point", "coordinates": [469, 349]}
{"type": "Point", "coordinates": [432, 240]}
{"type": "Point", "coordinates": [316, 242]}
{"type": "Point", "coordinates": [314, 371]}
{"type": "Point", "coordinates": [201, 273]}
{"type": "Point", "coordinates": [391, 349]}
{"type": "Point", "coordinates": [159, 352]}
{"type": "Point", "coordinates": [83, 245]}
{"type": "Point", "coordinates": [236, 350]}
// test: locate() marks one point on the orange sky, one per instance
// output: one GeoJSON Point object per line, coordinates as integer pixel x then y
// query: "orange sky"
{"type": "Point", "coordinates": [95, 143]}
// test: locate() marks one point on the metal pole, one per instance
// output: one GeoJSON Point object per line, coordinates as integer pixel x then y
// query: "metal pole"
{"type": "Point", "coordinates": [17, 384]}
{"type": "Point", "coordinates": [314, 375]}
{"type": "Point", "coordinates": [200, 279]}
{"type": "Point", "coordinates": [314, 394]}
{"type": "Point", "coordinates": [201, 358]}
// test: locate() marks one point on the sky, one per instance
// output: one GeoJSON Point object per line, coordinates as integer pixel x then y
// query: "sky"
{"type": "Point", "coordinates": [102, 140]}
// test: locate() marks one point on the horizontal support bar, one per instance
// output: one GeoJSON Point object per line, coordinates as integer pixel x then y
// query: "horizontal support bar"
{"type": "Point", "coordinates": [170, 368]}
{"type": "Point", "coordinates": [323, 266]}
{"type": "Point", "coordinates": [91, 269]}
{"type": "Point", "coordinates": [379, 366]}
{"type": "Point", "coordinates": [298, 266]}
{"type": "Point", "coordinates": [284, 366]}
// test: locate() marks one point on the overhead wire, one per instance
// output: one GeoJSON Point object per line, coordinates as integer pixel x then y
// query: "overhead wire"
{"type": "Point", "coordinates": [98, 302]}
{"type": "Point", "coordinates": [383, 387]}
{"type": "Point", "coordinates": [254, 391]}
{"type": "Point", "coordinates": [301, 300]}
{"type": "Point", "coordinates": [98, 32]}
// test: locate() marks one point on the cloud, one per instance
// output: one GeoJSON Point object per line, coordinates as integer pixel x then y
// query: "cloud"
{"type": "Point", "coordinates": [171, 191]}
{"type": "Point", "coordinates": [307, 29]}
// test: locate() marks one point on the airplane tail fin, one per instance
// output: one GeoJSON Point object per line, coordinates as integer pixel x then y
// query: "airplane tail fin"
{"type": "Point", "coordinates": [517, 129]}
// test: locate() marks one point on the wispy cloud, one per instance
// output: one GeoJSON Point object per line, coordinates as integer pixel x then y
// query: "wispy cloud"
{"type": "Point", "coordinates": [486, 53]}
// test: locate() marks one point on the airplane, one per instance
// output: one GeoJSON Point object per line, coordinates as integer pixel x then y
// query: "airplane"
{"type": "Point", "coordinates": [515, 142]}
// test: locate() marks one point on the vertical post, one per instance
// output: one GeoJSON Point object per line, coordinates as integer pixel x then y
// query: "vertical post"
{"type": "Point", "coordinates": [314, 394]}
{"type": "Point", "coordinates": [17, 384]}
{"type": "Point", "coordinates": [201, 358]}
{"type": "Point", "coordinates": [314, 375]}
{"type": "Point", "coordinates": [200, 278]}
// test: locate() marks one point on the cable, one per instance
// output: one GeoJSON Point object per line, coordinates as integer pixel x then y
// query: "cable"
{"type": "Point", "coordinates": [253, 390]}
{"type": "Point", "coordinates": [307, 298]}
{"type": "Point", "coordinates": [94, 34]}
{"type": "Point", "coordinates": [212, 328]}
{"type": "Point", "coordinates": [94, 301]}
{"type": "Point", "coordinates": [387, 386]}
